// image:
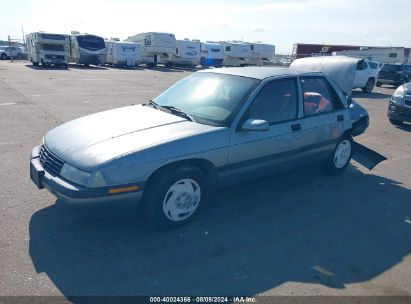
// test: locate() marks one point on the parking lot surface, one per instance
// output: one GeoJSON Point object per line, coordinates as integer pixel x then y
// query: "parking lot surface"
{"type": "Point", "coordinates": [298, 233]}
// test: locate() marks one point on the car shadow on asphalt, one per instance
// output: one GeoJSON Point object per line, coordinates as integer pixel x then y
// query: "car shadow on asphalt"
{"type": "Point", "coordinates": [300, 226]}
{"type": "Point", "coordinates": [48, 68]}
{"type": "Point", "coordinates": [372, 95]}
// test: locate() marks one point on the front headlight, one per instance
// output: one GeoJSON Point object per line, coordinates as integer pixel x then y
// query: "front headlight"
{"type": "Point", "coordinates": [399, 95]}
{"type": "Point", "coordinates": [75, 175]}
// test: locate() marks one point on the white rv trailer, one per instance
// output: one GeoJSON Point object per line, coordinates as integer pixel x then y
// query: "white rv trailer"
{"type": "Point", "coordinates": [187, 53]}
{"type": "Point", "coordinates": [156, 47]}
{"type": "Point", "coordinates": [384, 55]}
{"type": "Point", "coordinates": [48, 49]}
{"type": "Point", "coordinates": [235, 53]}
{"type": "Point", "coordinates": [87, 49]}
{"type": "Point", "coordinates": [260, 54]}
{"type": "Point", "coordinates": [212, 54]}
{"type": "Point", "coordinates": [123, 53]}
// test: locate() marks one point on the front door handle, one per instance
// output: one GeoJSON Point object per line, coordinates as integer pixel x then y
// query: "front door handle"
{"type": "Point", "coordinates": [340, 117]}
{"type": "Point", "coordinates": [296, 127]}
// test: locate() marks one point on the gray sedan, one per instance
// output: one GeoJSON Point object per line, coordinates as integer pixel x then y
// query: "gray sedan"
{"type": "Point", "coordinates": [212, 128]}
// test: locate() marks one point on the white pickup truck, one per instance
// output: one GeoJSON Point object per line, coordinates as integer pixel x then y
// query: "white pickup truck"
{"type": "Point", "coordinates": [366, 75]}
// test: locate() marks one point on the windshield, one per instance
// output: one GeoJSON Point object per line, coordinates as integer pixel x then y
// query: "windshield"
{"type": "Point", "coordinates": [208, 97]}
{"type": "Point", "coordinates": [406, 67]}
{"type": "Point", "coordinates": [53, 47]}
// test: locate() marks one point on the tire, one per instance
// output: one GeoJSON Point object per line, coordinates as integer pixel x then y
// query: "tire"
{"type": "Point", "coordinates": [66, 66]}
{"type": "Point", "coordinates": [369, 86]}
{"type": "Point", "coordinates": [3, 56]}
{"type": "Point", "coordinates": [378, 84]}
{"type": "Point", "coordinates": [168, 193]}
{"type": "Point", "coordinates": [395, 122]}
{"type": "Point", "coordinates": [341, 156]}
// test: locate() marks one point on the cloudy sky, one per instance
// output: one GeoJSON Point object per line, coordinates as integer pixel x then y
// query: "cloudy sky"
{"type": "Point", "coordinates": [280, 22]}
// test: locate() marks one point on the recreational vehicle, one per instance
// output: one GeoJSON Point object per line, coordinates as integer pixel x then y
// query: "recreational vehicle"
{"type": "Point", "coordinates": [87, 49]}
{"type": "Point", "coordinates": [260, 54]}
{"type": "Point", "coordinates": [187, 53]}
{"type": "Point", "coordinates": [212, 54]}
{"type": "Point", "coordinates": [384, 55]}
{"type": "Point", "coordinates": [123, 53]}
{"type": "Point", "coordinates": [157, 48]}
{"type": "Point", "coordinates": [48, 49]}
{"type": "Point", "coordinates": [235, 53]}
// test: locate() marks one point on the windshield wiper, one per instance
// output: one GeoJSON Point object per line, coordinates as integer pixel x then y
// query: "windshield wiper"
{"type": "Point", "coordinates": [153, 104]}
{"type": "Point", "coordinates": [174, 110]}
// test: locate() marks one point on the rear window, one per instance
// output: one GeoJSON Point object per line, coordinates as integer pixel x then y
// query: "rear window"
{"type": "Point", "coordinates": [390, 68]}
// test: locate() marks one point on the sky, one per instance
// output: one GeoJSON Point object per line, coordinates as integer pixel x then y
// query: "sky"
{"type": "Point", "coordinates": [278, 22]}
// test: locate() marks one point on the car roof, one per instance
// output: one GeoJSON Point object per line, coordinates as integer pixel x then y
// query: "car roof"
{"type": "Point", "coordinates": [259, 72]}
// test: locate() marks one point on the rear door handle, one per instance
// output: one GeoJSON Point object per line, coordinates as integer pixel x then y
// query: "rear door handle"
{"type": "Point", "coordinates": [340, 117]}
{"type": "Point", "coordinates": [296, 127]}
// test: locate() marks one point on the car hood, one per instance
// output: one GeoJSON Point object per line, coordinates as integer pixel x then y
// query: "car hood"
{"type": "Point", "coordinates": [341, 69]}
{"type": "Point", "coordinates": [95, 139]}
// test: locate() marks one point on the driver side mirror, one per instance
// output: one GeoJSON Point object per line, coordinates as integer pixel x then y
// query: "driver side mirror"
{"type": "Point", "coordinates": [252, 124]}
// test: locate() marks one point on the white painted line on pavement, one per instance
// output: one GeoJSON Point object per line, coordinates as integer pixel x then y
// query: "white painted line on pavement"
{"type": "Point", "coordinates": [7, 103]}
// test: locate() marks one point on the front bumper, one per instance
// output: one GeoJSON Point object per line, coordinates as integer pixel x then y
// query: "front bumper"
{"type": "Point", "coordinates": [71, 193]}
{"type": "Point", "coordinates": [399, 112]}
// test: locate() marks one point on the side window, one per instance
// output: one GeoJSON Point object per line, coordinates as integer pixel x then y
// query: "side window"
{"type": "Point", "coordinates": [276, 102]}
{"type": "Point", "coordinates": [147, 40]}
{"type": "Point", "coordinates": [361, 65]}
{"type": "Point", "coordinates": [317, 95]}
{"type": "Point", "coordinates": [228, 48]}
{"type": "Point", "coordinates": [372, 65]}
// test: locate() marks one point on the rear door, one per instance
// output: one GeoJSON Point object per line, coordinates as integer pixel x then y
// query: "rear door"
{"type": "Point", "coordinates": [323, 120]}
{"type": "Point", "coordinates": [256, 153]}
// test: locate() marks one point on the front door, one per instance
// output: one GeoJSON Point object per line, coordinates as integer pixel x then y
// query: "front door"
{"type": "Point", "coordinates": [256, 153]}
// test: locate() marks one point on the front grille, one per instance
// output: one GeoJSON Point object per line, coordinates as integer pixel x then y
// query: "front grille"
{"type": "Point", "coordinates": [50, 163]}
{"type": "Point", "coordinates": [57, 57]}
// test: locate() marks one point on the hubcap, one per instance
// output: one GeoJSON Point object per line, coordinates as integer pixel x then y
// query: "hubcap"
{"type": "Point", "coordinates": [181, 200]}
{"type": "Point", "coordinates": [342, 153]}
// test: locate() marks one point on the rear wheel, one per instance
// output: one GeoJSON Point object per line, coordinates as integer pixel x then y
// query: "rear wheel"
{"type": "Point", "coordinates": [3, 56]}
{"type": "Point", "coordinates": [369, 86]}
{"type": "Point", "coordinates": [341, 156]}
{"type": "Point", "coordinates": [395, 122]}
{"type": "Point", "coordinates": [174, 198]}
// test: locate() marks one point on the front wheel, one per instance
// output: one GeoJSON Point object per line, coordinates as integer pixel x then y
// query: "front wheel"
{"type": "Point", "coordinates": [369, 86]}
{"type": "Point", "coordinates": [174, 198]}
{"type": "Point", "coordinates": [341, 156]}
